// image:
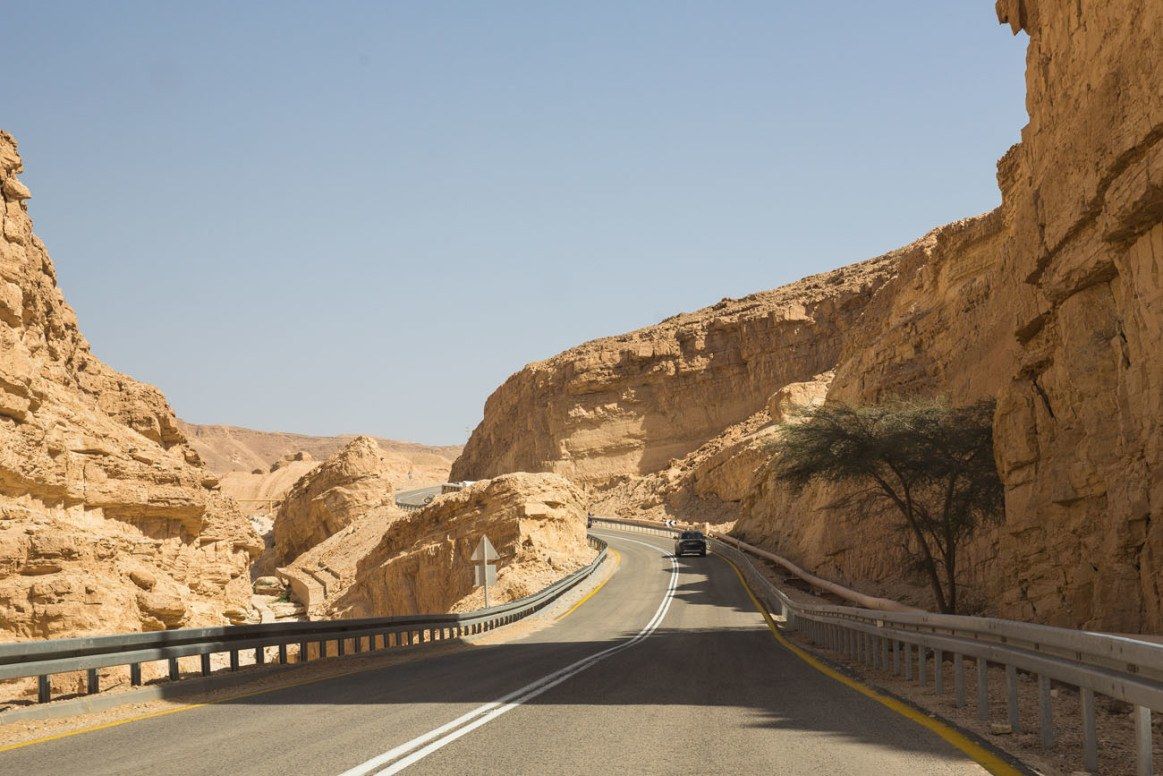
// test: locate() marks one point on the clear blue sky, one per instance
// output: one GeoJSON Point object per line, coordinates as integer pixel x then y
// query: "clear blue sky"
{"type": "Point", "coordinates": [361, 217]}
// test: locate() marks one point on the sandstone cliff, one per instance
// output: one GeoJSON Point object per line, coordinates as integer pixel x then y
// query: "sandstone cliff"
{"type": "Point", "coordinates": [1053, 304]}
{"type": "Point", "coordinates": [627, 405]}
{"type": "Point", "coordinates": [344, 489]}
{"type": "Point", "coordinates": [107, 521]}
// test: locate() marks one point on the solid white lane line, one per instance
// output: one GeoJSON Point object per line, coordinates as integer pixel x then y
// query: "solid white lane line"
{"type": "Point", "coordinates": [424, 745]}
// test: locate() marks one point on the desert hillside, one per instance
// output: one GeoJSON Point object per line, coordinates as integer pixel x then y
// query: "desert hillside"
{"type": "Point", "coordinates": [1052, 305]}
{"type": "Point", "coordinates": [259, 468]}
{"type": "Point", "coordinates": [231, 448]}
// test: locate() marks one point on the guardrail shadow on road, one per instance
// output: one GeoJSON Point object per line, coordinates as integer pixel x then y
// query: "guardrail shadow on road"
{"type": "Point", "coordinates": [289, 640]}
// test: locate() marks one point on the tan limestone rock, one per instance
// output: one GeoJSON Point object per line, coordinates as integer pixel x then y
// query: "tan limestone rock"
{"type": "Point", "coordinates": [106, 524]}
{"type": "Point", "coordinates": [422, 561]}
{"type": "Point", "coordinates": [330, 497]}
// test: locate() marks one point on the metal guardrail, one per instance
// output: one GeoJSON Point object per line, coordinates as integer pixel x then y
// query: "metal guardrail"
{"type": "Point", "coordinates": [915, 644]}
{"type": "Point", "coordinates": [42, 659]}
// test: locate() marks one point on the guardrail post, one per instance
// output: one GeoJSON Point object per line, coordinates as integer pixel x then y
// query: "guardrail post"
{"type": "Point", "coordinates": [896, 657]}
{"type": "Point", "coordinates": [43, 689]}
{"type": "Point", "coordinates": [135, 674]}
{"type": "Point", "coordinates": [1089, 731]}
{"type": "Point", "coordinates": [260, 655]}
{"type": "Point", "coordinates": [939, 671]}
{"type": "Point", "coordinates": [175, 674]}
{"type": "Point", "coordinates": [982, 690]}
{"type": "Point", "coordinates": [1046, 712]}
{"type": "Point", "coordinates": [323, 648]}
{"type": "Point", "coordinates": [908, 660]}
{"type": "Point", "coordinates": [304, 653]}
{"type": "Point", "coordinates": [883, 654]}
{"type": "Point", "coordinates": [1143, 741]}
{"type": "Point", "coordinates": [93, 682]}
{"type": "Point", "coordinates": [958, 681]}
{"type": "Point", "coordinates": [205, 660]}
{"type": "Point", "coordinates": [282, 654]}
{"type": "Point", "coordinates": [234, 660]}
{"type": "Point", "coordinates": [1012, 697]}
{"type": "Point", "coordinates": [921, 664]}
{"type": "Point", "coordinates": [339, 647]}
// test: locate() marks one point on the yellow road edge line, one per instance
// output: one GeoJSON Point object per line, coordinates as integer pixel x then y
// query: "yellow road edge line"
{"type": "Point", "coordinates": [592, 593]}
{"type": "Point", "coordinates": [978, 753]}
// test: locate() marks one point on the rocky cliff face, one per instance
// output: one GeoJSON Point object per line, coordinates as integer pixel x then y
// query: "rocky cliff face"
{"type": "Point", "coordinates": [107, 520]}
{"type": "Point", "coordinates": [627, 405]}
{"type": "Point", "coordinates": [344, 489]}
{"type": "Point", "coordinates": [1053, 304]}
{"type": "Point", "coordinates": [393, 563]}
{"type": "Point", "coordinates": [1080, 414]}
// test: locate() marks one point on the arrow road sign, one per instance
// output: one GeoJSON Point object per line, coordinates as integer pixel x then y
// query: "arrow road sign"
{"type": "Point", "coordinates": [485, 551]}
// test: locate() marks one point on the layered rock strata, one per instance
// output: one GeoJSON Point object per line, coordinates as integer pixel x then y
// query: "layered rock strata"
{"type": "Point", "coordinates": [627, 405]}
{"type": "Point", "coordinates": [108, 522]}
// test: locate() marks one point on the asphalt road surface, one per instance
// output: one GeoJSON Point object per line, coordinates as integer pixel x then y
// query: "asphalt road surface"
{"type": "Point", "coordinates": [667, 669]}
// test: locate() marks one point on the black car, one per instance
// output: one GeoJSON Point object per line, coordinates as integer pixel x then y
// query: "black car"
{"type": "Point", "coordinates": [690, 542]}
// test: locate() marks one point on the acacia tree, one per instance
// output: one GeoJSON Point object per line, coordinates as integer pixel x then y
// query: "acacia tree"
{"type": "Point", "coordinates": [928, 463]}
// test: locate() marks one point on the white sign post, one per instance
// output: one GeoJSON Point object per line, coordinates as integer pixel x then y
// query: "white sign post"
{"type": "Point", "coordinates": [486, 572]}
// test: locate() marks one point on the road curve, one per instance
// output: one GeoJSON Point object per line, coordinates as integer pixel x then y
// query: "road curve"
{"type": "Point", "coordinates": [667, 669]}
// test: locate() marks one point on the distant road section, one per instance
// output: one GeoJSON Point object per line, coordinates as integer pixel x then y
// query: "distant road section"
{"type": "Point", "coordinates": [420, 497]}
{"type": "Point", "coordinates": [667, 669]}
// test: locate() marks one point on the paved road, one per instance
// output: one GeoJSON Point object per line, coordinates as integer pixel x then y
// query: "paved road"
{"type": "Point", "coordinates": [668, 669]}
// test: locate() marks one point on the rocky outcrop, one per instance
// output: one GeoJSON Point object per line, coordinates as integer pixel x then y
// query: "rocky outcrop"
{"type": "Point", "coordinates": [341, 491]}
{"type": "Point", "coordinates": [108, 522]}
{"type": "Point", "coordinates": [319, 576]}
{"type": "Point", "coordinates": [392, 562]}
{"type": "Point", "coordinates": [1052, 304]}
{"type": "Point", "coordinates": [423, 562]}
{"type": "Point", "coordinates": [628, 405]}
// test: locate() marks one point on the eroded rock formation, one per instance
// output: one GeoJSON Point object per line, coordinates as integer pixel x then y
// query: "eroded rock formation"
{"type": "Point", "coordinates": [392, 562]}
{"type": "Point", "coordinates": [341, 491]}
{"type": "Point", "coordinates": [627, 405]}
{"type": "Point", "coordinates": [108, 522]}
{"type": "Point", "coordinates": [1053, 304]}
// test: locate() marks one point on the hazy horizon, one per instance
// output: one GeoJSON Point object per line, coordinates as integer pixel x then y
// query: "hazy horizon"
{"type": "Point", "coordinates": [353, 219]}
